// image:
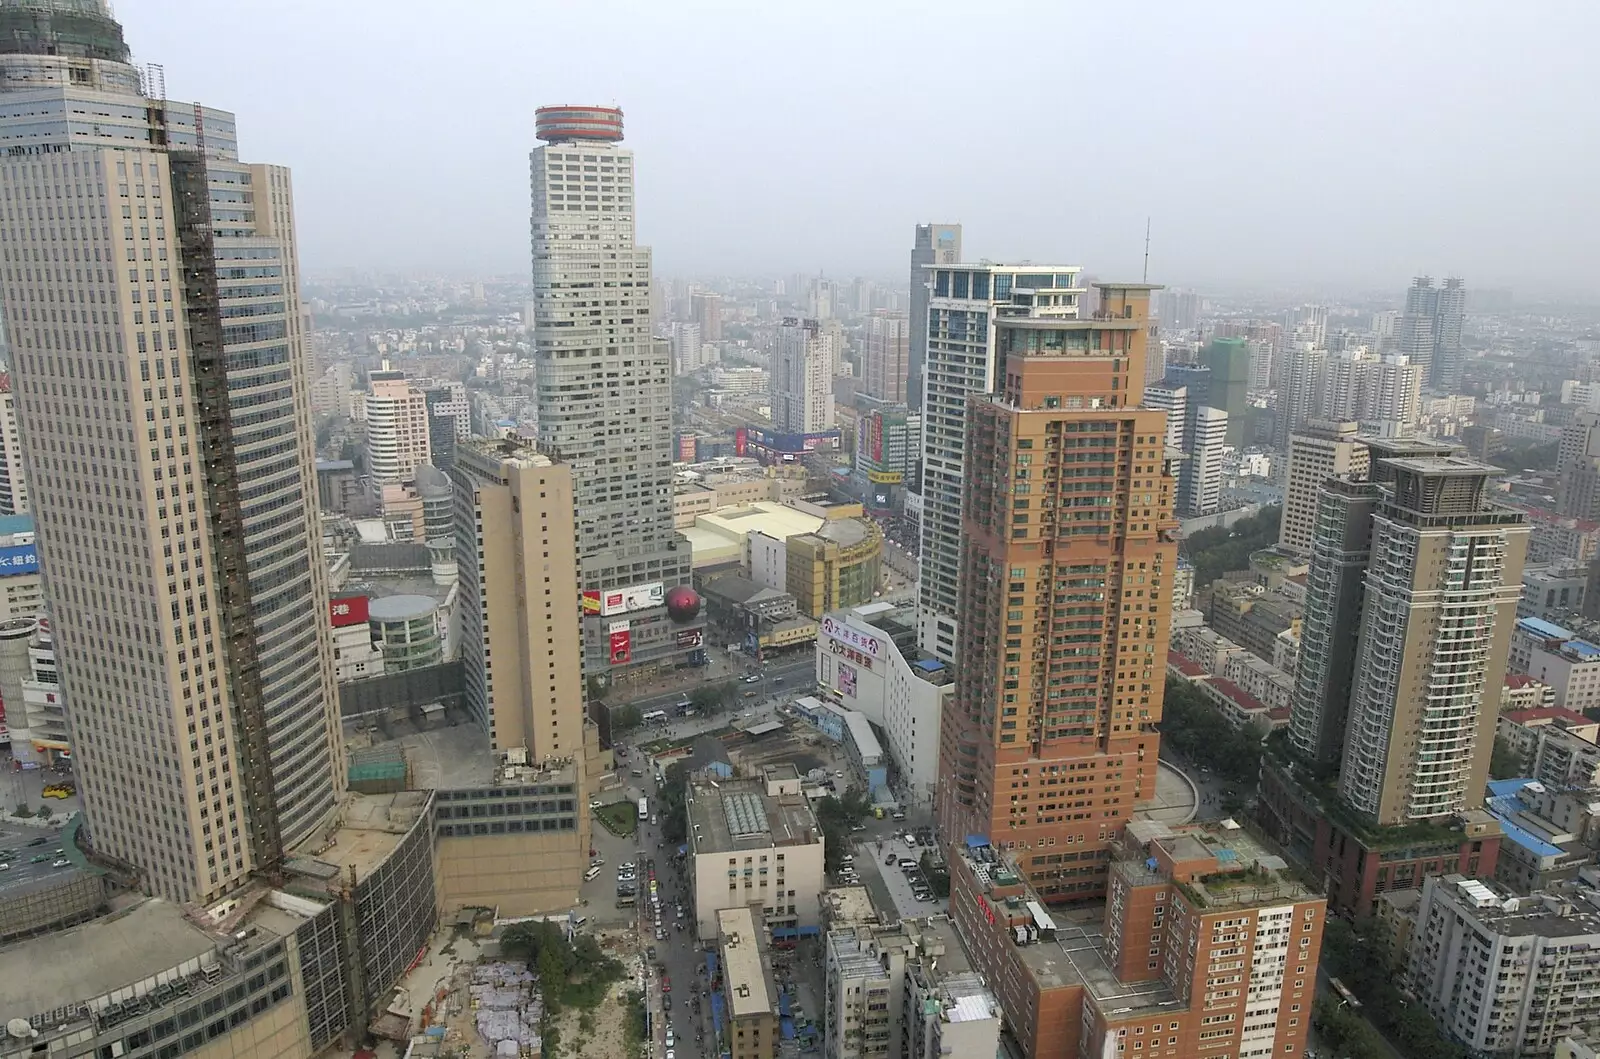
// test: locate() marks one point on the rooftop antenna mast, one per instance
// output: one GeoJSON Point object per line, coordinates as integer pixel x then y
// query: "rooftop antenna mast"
{"type": "Point", "coordinates": [1146, 251]}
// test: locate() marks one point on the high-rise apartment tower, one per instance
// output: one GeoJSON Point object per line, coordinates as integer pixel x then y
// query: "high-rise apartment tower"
{"type": "Point", "coordinates": [1066, 591]}
{"type": "Point", "coordinates": [605, 390]}
{"type": "Point", "coordinates": [162, 387]}
{"type": "Point", "coordinates": [965, 304]}
{"type": "Point", "coordinates": [935, 244]}
{"type": "Point", "coordinates": [1441, 595]}
{"type": "Point", "coordinates": [803, 366]}
{"type": "Point", "coordinates": [888, 352]}
{"type": "Point", "coordinates": [1430, 331]}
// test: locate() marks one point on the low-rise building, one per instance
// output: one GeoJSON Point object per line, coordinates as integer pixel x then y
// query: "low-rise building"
{"type": "Point", "coordinates": [1205, 647]}
{"type": "Point", "coordinates": [1238, 707]}
{"type": "Point", "coordinates": [748, 991]}
{"type": "Point", "coordinates": [1551, 833]}
{"type": "Point", "coordinates": [1503, 974]}
{"type": "Point", "coordinates": [868, 661]}
{"type": "Point", "coordinates": [355, 655]}
{"type": "Point", "coordinates": [1564, 759]}
{"type": "Point", "coordinates": [1250, 616]}
{"type": "Point", "coordinates": [1553, 655]}
{"type": "Point", "coordinates": [1522, 692]}
{"type": "Point", "coordinates": [1521, 728]}
{"type": "Point", "coordinates": [266, 971]}
{"type": "Point", "coordinates": [1205, 942]}
{"type": "Point", "coordinates": [754, 843]}
{"type": "Point", "coordinates": [1395, 921]}
{"type": "Point", "coordinates": [1553, 590]}
{"type": "Point", "coordinates": [905, 990]}
{"type": "Point", "coordinates": [1268, 684]}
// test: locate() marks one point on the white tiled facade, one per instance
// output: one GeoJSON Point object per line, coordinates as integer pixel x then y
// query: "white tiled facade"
{"type": "Point", "coordinates": [963, 302]}
{"type": "Point", "coordinates": [605, 384]}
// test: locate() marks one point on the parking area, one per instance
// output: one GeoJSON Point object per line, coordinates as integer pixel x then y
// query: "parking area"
{"type": "Point", "coordinates": [889, 868]}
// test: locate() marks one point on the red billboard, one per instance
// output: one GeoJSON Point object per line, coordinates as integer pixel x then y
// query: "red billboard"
{"type": "Point", "coordinates": [591, 601]}
{"type": "Point", "coordinates": [347, 610]}
{"type": "Point", "coordinates": [621, 647]}
{"type": "Point", "coordinates": [691, 637]}
{"type": "Point", "coordinates": [741, 440]}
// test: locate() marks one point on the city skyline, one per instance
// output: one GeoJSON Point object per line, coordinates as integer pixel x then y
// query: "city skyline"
{"type": "Point", "coordinates": [1223, 212]}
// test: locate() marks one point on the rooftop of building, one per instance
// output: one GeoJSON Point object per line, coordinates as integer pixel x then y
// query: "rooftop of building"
{"type": "Point", "coordinates": [738, 589]}
{"type": "Point", "coordinates": [1241, 871]}
{"type": "Point", "coordinates": [1568, 911]}
{"type": "Point", "coordinates": [511, 448]}
{"type": "Point", "coordinates": [458, 757]}
{"type": "Point", "coordinates": [401, 608]}
{"type": "Point", "coordinates": [1236, 695]}
{"type": "Point", "coordinates": [1521, 680]}
{"type": "Point", "coordinates": [747, 973]}
{"type": "Point", "coordinates": [1184, 665]}
{"type": "Point", "coordinates": [142, 938]}
{"type": "Point", "coordinates": [1548, 630]}
{"type": "Point", "coordinates": [1546, 714]}
{"type": "Point", "coordinates": [368, 829]}
{"type": "Point", "coordinates": [733, 815]}
{"type": "Point", "coordinates": [848, 906]}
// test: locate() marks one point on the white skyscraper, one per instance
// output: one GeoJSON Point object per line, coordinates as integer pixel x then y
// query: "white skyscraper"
{"type": "Point", "coordinates": [803, 367]}
{"type": "Point", "coordinates": [1200, 478]}
{"type": "Point", "coordinates": [963, 303]}
{"type": "Point", "coordinates": [167, 421]}
{"type": "Point", "coordinates": [605, 391]}
{"type": "Point", "coordinates": [397, 427]}
{"type": "Point", "coordinates": [1172, 399]}
{"type": "Point", "coordinates": [13, 473]}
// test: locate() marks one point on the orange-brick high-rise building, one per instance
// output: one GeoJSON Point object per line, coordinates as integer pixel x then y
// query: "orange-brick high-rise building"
{"type": "Point", "coordinates": [1066, 581]}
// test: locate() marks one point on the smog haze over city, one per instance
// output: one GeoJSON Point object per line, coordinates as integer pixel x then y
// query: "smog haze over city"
{"type": "Point", "coordinates": [1347, 145]}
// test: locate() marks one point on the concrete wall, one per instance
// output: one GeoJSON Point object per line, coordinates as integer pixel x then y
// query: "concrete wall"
{"type": "Point", "coordinates": [520, 875]}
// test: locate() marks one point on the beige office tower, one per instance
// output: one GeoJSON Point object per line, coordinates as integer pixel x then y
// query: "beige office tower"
{"type": "Point", "coordinates": [397, 427]}
{"type": "Point", "coordinates": [1317, 451]}
{"type": "Point", "coordinates": [518, 568]}
{"type": "Point", "coordinates": [1441, 595]}
{"type": "Point", "coordinates": [159, 367]}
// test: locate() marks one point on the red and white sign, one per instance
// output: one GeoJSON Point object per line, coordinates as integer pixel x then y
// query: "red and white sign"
{"type": "Point", "coordinates": [862, 641]}
{"type": "Point", "coordinates": [638, 597]}
{"type": "Point", "coordinates": [621, 647]}
{"type": "Point", "coordinates": [691, 637]}
{"type": "Point", "coordinates": [347, 610]}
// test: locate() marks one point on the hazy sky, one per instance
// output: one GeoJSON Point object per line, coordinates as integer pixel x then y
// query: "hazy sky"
{"type": "Point", "coordinates": [1342, 143]}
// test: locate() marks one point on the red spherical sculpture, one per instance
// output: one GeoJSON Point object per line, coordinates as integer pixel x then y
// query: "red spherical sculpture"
{"type": "Point", "coordinates": [683, 603]}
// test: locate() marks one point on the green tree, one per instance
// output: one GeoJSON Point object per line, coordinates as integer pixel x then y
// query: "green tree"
{"type": "Point", "coordinates": [670, 796]}
{"type": "Point", "coordinates": [1197, 730]}
{"type": "Point", "coordinates": [835, 816]}
{"type": "Point", "coordinates": [1505, 763]}
{"type": "Point", "coordinates": [626, 718]}
{"type": "Point", "coordinates": [1214, 552]}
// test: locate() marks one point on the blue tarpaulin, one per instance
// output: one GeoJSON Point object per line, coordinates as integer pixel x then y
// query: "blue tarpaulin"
{"type": "Point", "coordinates": [786, 1028]}
{"type": "Point", "coordinates": [785, 933]}
{"type": "Point", "coordinates": [783, 1005]}
{"type": "Point", "coordinates": [716, 1010]}
{"type": "Point", "coordinates": [975, 841]}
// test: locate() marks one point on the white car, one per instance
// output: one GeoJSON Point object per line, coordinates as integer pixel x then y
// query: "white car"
{"type": "Point", "coordinates": [670, 1039]}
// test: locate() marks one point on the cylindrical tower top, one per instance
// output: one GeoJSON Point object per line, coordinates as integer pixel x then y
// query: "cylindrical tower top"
{"type": "Point", "coordinates": [567, 122]}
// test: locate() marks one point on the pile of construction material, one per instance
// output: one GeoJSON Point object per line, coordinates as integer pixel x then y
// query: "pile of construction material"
{"type": "Point", "coordinates": [507, 1008]}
